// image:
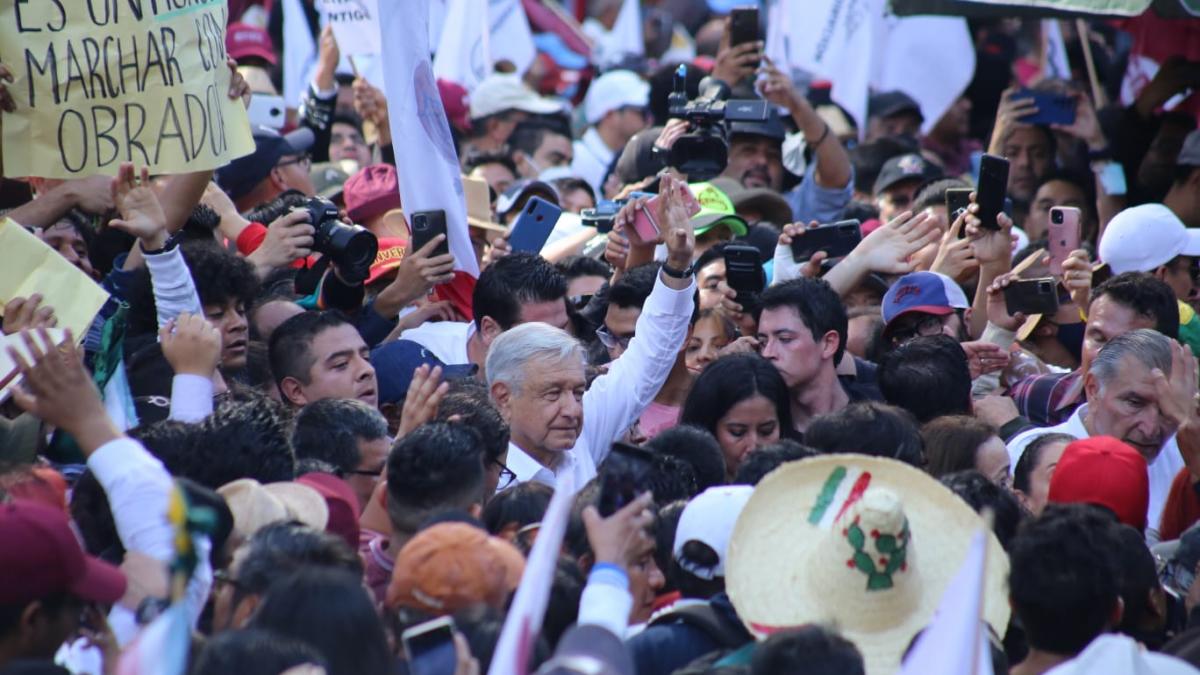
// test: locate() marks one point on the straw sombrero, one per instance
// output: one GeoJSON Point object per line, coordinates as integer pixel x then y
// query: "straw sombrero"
{"type": "Point", "coordinates": [861, 543]}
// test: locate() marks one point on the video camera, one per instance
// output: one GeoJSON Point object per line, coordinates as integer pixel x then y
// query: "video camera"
{"type": "Point", "coordinates": [703, 152]}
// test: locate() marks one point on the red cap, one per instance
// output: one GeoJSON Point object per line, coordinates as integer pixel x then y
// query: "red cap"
{"type": "Point", "coordinates": [371, 192]}
{"type": "Point", "coordinates": [1102, 470]}
{"type": "Point", "coordinates": [387, 258]}
{"type": "Point", "coordinates": [40, 556]}
{"type": "Point", "coordinates": [456, 103]}
{"type": "Point", "coordinates": [243, 40]}
{"type": "Point", "coordinates": [343, 505]}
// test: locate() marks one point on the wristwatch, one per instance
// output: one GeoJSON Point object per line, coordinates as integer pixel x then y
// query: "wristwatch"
{"type": "Point", "coordinates": [679, 274]}
{"type": "Point", "coordinates": [171, 242]}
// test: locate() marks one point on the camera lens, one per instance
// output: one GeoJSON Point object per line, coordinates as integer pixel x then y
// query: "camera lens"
{"type": "Point", "coordinates": [1056, 217]}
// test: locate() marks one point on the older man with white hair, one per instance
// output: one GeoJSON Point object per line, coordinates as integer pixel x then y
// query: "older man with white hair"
{"type": "Point", "coordinates": [561, 429]}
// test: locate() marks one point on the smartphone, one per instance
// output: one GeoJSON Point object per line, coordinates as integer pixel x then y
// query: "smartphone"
{"type": "Point", "coordinates": [624, 475]}
{"type": "Point", "coordinates": [425, 226]}
{"type": "Point", "coordinates": [646, 224]}
{"type": "Point", "coordinates": [957, 201]}
{"type": "Point", "coordinates": [1032, 296]}
{"type": "Point", "coordinates": [602, 216]}
{"type": "Point", "coordinates": [1063, 235]}
{"type": "Point", "coordinates": [744, 273]}
{"type": "Point", "coordinates": [429, 647]}
{"type": "Point", "coordinates": [743, 26]}
{"type": "Point", "coordinates": [1052, 108]}
{"type": "Point", "coordinates": [836, 239]}
{"type": "Point", "coordinates": [532, 228]}
{"type": "Point", "coordinates": [993, 188]}
{"type": "Point", "coordinates": [267, 111]}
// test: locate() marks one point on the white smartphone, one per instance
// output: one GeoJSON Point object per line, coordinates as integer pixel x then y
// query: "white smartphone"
{"type": "Point", "coordinates": [267, 111]}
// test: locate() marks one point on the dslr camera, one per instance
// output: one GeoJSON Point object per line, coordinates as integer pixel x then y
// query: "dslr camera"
{"type": "Point", "coordinates": [351, 247]}
{"type": "Point", "coordinates": [702, 152]}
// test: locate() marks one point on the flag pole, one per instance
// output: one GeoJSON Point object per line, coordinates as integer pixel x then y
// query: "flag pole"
{"type": "Point", "coordinates": [1085, 43]}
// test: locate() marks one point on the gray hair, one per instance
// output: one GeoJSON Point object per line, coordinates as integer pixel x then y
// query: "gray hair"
{"type": "Point", "coordinates": [1151, 348]}
{"type": "Point", "coordinates": [509, 353]}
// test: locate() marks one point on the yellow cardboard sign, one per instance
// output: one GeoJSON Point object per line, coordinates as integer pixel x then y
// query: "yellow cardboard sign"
{"type": "Point", "coordinates": [100, 82]}
{"type": "Point", "coordinates": [30, 266]}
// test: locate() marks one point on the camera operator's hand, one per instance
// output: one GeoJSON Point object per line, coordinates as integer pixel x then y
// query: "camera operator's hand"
{"type": "Point", "coordinates": [616, 251]}
{"type": "Point", "coordinates": [1008, 117]}
{"type": "Point", "coordinates": [993, 248]}
{"type": "Point", "coordinates": [1086, 126]}
{"type": "Point", "coordinates": [736, 63]}
{"type": "Point", "coordinates": [417, 274]}
{"type": "Point", "coordinates": [671, 132]}
{"type": "Point", "coordinates": [997, 306]}
{"type": "Point", "coordinates": [141, 213]}
{"type": "Point", "coordinates": [289, 238]}
{"type": "Point", "coordinates": [621, 538]}
{"type": "Point", "coordinates": [191, 345]}
{"type": "Point", "coordinates": [786, 265]}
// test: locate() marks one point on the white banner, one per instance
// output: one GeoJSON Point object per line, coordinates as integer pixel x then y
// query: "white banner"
{"type": "Point", "coordinates": [299, 52]}
{"type": "Point", "coordinates": [426, 160]}
{"type": "Point", "coordinates": [1057, 66]}
{"type": "Point", "coordinates": [625, 39]}
{"type": "Point", "coordinates": [355, 25]}
{"type": "Point", "coordinates": [930, 58]}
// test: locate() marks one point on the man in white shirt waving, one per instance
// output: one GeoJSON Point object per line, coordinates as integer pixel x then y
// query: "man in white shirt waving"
{"type": "Point", "coordinates": [561, 430]}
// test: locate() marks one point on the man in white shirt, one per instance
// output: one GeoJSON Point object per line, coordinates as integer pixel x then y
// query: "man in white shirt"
{"type": "Point", "coordinates": [516, 289]}
{"type": "Point", "coordinates": [616, 108]}
{"type": "Point", "coordinates": [1141, 389]}
{"type": "Point", "coordinates": [561, 430]}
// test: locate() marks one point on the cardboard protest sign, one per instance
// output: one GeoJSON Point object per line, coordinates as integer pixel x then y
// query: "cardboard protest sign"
{"type": "Point", "coordinates": [30, 266]}
{"type": "Point", "coordinates": [355, 25]}
{"type": "Point", "coordinates": [100, 82]}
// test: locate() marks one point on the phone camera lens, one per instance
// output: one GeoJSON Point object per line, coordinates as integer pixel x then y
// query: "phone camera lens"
{"type": "Point", "coordinates": [1056, 217]}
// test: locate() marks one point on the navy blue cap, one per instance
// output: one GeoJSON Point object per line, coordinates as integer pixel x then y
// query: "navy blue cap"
{"type": "Point", "coordinates": [395, 362]}
{"type": "Point", "coordinates": [240, 176]}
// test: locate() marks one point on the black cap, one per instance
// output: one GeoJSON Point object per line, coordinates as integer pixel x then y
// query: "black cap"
{"type": "Point", "coordinates": [395, 361]}
{"type": "Point", "coordinates": [772, 127]}
{"type": "Point", "coordinates": [906, 167]}
{"type": "Point", "coordinates": [888, 103]}
{"type": "Point", "coordinates": [240, 176]}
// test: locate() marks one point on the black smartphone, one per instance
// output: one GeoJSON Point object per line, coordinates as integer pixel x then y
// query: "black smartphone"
{"type": "Point", "coordinates": [992, 190]}
{"type": "Point", "coordinates": [429, 647]}
{"type": "Point", "coordinates": [624, 475]}
{"type": "Point", "coordinates": [743, 26]}
{"type": "Point", "coordinates": [1032, 296]}
{"type": "Point", "coordinates": [1052, 108]}
{"type": "Point", "coordinates": [744, 274]}
{"type": "Point", "coordinates": [836, 239]}
{"type": "Point", "coordinates": [425, 226]}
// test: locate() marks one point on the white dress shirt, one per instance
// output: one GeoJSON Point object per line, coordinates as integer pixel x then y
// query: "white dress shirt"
{"type": "Point", "coordinates": [447, 340]}
{"type": "Point", "coordinates": [1161, 471]}
{"type": "Point", "coordinates": [616, 399]}
{"type": "Point", "coordinates": [592, 157]}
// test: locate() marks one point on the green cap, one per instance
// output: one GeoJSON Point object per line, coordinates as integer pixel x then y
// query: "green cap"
{"type": "Point", "coordinates": [715, 209]}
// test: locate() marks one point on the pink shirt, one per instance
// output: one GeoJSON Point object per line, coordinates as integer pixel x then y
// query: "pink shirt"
{"type": "Point", "coordinates": [658, 418]}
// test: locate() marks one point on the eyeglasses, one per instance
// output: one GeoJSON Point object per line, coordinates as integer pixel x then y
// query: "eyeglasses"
{"type": "Point", "coordinates": [611, 341]}
{"type": "Point", "coordinates": [507, 477]}
{"type": "Point", "coordinates": [305, 161]}
{"type": "Point", "coordinates": [927, 326]}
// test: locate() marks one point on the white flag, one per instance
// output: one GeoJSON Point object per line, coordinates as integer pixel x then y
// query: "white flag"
{"type": "Point", "coordinates": [476, 34]}
{"type": "Point", "coordinates": [625, 39]}
{"type": "Point", "coordinates": [956, 642]}
{"type": "Point", "coordinates": [299, 52]}
{"type": "Point", "coordinates": [914, 49]}
{"type": "Point", "coordinates": [426, 161]}
{"type": "Point", "coordinates": [1057, 66]}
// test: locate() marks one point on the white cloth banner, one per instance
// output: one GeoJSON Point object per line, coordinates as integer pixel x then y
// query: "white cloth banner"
{"type": "Point", "coordinates": [426, 160]}
{"type": "Point", "coordinates": [355, 25]}
{"type": "Point", "coordinates": [299, 52]}
{"type": "Point", "coordinates": [476, 34]}
{"type": "Point", "coordinates": [858, 46]}
{"type": "Point", "coordinates": [1057, 66]}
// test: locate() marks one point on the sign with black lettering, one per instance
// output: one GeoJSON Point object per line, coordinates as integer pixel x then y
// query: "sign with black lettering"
{"type": "Point", "coordinates": [355, 25]}
{"type": "Point", "coordinates": [100, 82]}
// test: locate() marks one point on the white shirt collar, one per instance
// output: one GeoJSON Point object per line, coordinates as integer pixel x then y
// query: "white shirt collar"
{"type": "Point", "coordinates": [526, 468]}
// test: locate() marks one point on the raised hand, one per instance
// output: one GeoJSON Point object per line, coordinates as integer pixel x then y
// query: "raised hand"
{"type": "Point", "coordinates": [141, 212]}
{"type": "Point", "coordinates": [238, 86]}
{"type": "Point", "coordinates": [1077, 278]}
{"type": "Point", "coordinates": [620, 538]}
{"type": "Point", "coordinates": [1008, 116]}
{"type": "Point", "coordinates": [27, 314]}
{"type": "Point", "coordinates": [735, 64]}
{"type": "Point", "coordinates": [191, 345]}
{"type": "Point", "coordinates": [955, 256]}
{"type": "Point", "coordinates": [888, 248]}
{"type": "Point", "coordinates": [984, 358]}
{"type": "Point", "coordinates": [425, 394]}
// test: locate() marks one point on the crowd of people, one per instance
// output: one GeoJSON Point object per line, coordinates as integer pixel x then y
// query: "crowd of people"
{"type": "Point", "coordinates": [772, 466]}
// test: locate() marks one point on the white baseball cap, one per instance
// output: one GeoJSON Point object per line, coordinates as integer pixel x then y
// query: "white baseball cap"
{"type": "Point", "coordinates": [1143, 238]}
{"type": "Point", "coordinates": [505, 91]}
{"type": "Point", "coordinates": [615, 89]}
{"type": "Point", "coordinates": [709, 519]}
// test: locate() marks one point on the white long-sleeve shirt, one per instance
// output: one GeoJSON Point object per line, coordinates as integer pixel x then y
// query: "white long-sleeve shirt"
{"type": "Point", "coordinates": [617, 399]}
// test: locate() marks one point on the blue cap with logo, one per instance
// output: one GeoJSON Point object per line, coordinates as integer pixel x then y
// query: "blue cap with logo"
{"type": "Point", "coordinates": [925, 292]}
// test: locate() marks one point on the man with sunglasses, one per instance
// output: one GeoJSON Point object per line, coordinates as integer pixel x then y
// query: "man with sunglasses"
{"type": "Point", "coordinates": [279, 163]}
{"type": "Point", "coordinates": [616, 109]}
{"type": "Point", "coordinates": [923, 304]}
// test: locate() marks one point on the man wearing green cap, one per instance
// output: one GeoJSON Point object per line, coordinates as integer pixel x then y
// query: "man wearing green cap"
{"type": "Point", "coordinates": [717, 220]}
